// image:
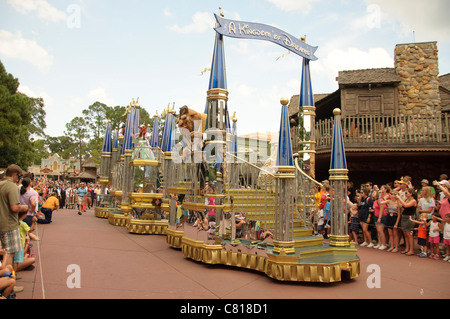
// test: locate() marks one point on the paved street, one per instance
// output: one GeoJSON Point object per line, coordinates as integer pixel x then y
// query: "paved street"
{"type": "Point", "coordinates": [115, 264]}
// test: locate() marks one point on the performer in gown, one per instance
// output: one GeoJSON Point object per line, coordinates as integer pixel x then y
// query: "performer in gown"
{"type": "Point", "coordinates": [142, 148]}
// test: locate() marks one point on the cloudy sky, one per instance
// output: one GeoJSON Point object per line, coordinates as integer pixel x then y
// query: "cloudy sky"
{"type": "Point", "coordinates": [75, 52]}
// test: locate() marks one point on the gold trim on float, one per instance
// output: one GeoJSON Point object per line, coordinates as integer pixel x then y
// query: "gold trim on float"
{"type": "Point", "coordinates": [145, 196]}
{"type": "Point", "coordinates": [104, 180]}
{"type": "Point", "coordinates": [285, 169]}
{"type": "Point", "coordinates": [326, 273]}
{"type": "Point", "coordinates": [338, 178]}
{"type": "Point", "coordinates": [284, 175]}
{"type": "Point", "coordinates": [101, 212]}
{"type": "Point", "coordinates": [143, 206]}
{"type": "Point", "coordinates": [147, 227]}
{"type": "Point", "coordinates": [338, 171]}
{"type": "Point", "coordinates": [282, 268]}
{"type": "Point", "coordinates": [217, 91]}
{"type": "Point", "coordinates": [117, 219]}
{"type": "Point", "coordinates": [174, 238]}
{"type": "Point", "coordinates": [217, 97]}
{"type": "Point", "coordinates": [144, 162]}
{"type": "Point", "coordinates": [339, 241]}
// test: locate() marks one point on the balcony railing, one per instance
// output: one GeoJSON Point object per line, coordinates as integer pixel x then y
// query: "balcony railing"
{"type": "Point", "coordinates": [381, 130]}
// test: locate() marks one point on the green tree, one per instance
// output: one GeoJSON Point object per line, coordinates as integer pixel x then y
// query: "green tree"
{"type": "Point", "coordinates": [63, 145]}
{"type": "Point", "coordinates": [20, 116]}
{"type": "Point", "coordinates": [95, 116]}
{"type": "Point", "coordinates": [77, 129]}
{"type": "Point", "coordinates": [40, 151]}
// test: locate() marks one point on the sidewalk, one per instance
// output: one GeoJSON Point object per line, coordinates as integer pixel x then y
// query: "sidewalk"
{"type": "Point", "coordinates": [115, 264]}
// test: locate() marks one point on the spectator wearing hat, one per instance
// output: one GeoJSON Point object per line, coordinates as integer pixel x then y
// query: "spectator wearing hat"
{"type": "Point", "coordinates": [403, 188]}
{"type": "Point", "coordinates": [10, 208]}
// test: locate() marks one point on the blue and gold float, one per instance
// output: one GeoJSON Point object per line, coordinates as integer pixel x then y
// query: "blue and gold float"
{"type": "Point", "coordinates": [217, 207]}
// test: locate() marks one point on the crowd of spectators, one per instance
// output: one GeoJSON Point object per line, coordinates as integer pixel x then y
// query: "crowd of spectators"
{"type": "Point", "coordinates": [395, 217]}
{"type": "Point", "coordinates": [24, 202]}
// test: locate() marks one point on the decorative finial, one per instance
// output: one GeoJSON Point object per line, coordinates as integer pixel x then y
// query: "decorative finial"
{"type": "Point", "coordinates": [337, 111]}
{"type": "Point", "coordinates": [234, 118]}
{"type": "Point", "coordinates": [303, 39]}
{"type": "Point", "coordinates": [137, 105]}
{"type": "Point", "coordinates": [284, 101]}
{"type": "Point", "coordinates": [220, 12]}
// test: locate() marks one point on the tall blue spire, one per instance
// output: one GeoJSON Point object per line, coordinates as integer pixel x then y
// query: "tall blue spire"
{"type": "Point", "coordinates": [116, 140]}
{"type": "Point", "coordinates": [107, 140]}
{"type": "Point", "coordinates": [155, 133]}
{"type": "Point", "coordinates": [306, 93]}
{"type": "Point", "coordinates": [338, 160]}
{"type": "Point", "coordinates": [284, 155]}
{"type": "Point", "coordinates": [168, 136]}
{"type": "Point", "coordinates": [127, 138]}
{"type": "Point", "coordinates": [234, 145]}
{"type": "Point", "coordinates": [218, 77]}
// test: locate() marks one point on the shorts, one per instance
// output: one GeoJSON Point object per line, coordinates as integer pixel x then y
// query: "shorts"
{"type": "Point", "coordinates": [421, 241]}
{"type": "Point", "coordinates": [391, 220]}
{"type": "Point", "coordinates": [80, 200]}
{"type": "Point", "coordinates": [18, 257]}
{"type": "Point", "coordinates": [354, 224]}
{"type": "Point", "coordinates": [29, 220]}
{"type": "Point", "coordinates": [434, 240]}
{"type": "Point", "coordinates": [11, 241]}
{"type": "Point", "coordinates": [363, 217]}
{"type": "Point", "coordinates": [446, 241]}
{"type": "Point", "coordinates": [383, 220]}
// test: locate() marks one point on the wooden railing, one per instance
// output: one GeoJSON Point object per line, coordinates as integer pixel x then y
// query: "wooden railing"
{"type": "Point", "coordinates": [369, 130]}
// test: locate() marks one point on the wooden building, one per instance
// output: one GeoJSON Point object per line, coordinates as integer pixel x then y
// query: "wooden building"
{"type": "Point", "coordinates": [395, 121]}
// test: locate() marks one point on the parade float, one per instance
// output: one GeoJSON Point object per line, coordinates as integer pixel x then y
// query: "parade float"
{"type": "Point", "coordinates": [213, 205]}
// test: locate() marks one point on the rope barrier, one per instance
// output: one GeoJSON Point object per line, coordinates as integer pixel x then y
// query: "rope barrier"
{"type": "Point", "coordinates": [40, 261]}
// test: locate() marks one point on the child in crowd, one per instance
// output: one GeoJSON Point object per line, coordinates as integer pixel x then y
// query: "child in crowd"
{"type": "Point", "coordinates": [212, 227]}
{"type": "Point", "coordinates": [354, 223]}
{"type": "Point", "coordinates": [422, 234]}
{"type": "Point", "coordinates": [21, 261]}
{"type": "Point", "coordinates": [446, 233]}
{"type": "Point", "coordinates": [434, 235]}
{"type": "Point", "coordinates": [7, 277]}
{"type": "Point", "coordinates": [327, 217]}
{"type": "Point", "coordinates": [320, 223]}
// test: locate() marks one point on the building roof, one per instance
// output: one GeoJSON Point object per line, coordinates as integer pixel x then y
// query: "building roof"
{"type": "Point", "coordinates": [294, 103]}
{"type": "Point", "coordinates": [444, 81]}
{"type": "Point", "coordinates": [89, 163]}
{"type": "Point", "coordinates": [368, 76]}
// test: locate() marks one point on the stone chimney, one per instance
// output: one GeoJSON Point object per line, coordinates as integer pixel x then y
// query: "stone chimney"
{"type": "Point", "coordinates": [417, 66]}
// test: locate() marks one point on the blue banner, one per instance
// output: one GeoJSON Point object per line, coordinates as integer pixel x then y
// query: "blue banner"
{"type": "Point", "coordinates": [258, 31]}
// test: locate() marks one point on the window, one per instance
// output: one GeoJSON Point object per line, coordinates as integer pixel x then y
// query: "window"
{"type": "Point", "coordinates": [369, 105]}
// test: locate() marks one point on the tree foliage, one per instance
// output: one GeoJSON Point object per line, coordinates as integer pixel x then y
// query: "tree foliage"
{"type": "Point", "coordinates": [20, 117]}
{"type": "Point", "coordinates": [22, 127]}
